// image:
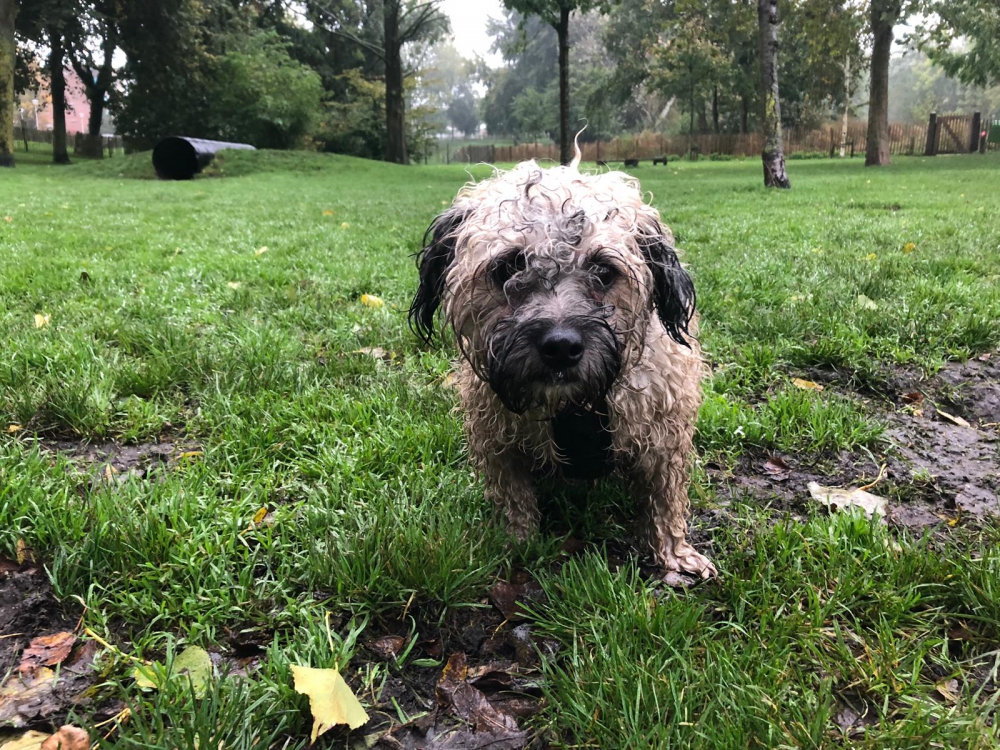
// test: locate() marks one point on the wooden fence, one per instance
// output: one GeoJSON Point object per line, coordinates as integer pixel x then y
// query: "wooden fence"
{"type": "Point", "coordinates": [26, 136]}
{"type": "Point", "coordinates": [904, 139]}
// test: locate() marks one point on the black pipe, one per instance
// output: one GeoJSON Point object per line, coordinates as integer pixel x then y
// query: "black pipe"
{"type": "Point", "coordinates": [179, 158]}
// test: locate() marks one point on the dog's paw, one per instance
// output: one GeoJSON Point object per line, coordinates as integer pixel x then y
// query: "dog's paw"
{"type": "Point", "coordinates": [683, 558]}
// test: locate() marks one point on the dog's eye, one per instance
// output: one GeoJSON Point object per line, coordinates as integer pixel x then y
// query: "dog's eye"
{"type": "Point", "coordinates": [507, 266]}
{"type": "Point", "coordinates": [604, 274]}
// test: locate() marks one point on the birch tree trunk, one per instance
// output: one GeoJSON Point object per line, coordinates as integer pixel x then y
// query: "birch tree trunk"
{"type": "Point", "coordinates": [773, 156]}
{"type": "Point", "coordinates": [847, 106]}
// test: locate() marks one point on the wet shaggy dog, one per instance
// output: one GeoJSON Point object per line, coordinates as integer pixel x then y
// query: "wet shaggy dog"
{"type": "Point", "coordinates": [576, 323]}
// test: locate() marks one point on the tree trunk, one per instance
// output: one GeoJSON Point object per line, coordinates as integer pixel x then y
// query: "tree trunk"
{"type": "Point", "coordinates": [562, 31]}
{"type": "Point", "coordinates": [847, 106]}
{"type": "Point", "coordinates": [885, 13]}
{"type": "Point", "coordinates": [773, 156]}
{"type": "Point", "coordinates": [715, 109]}
{"type": "Point", "coordinates": [97, 89]}
{"type": "Point", "coordinates": [57, 85]}
{"type": "Point", "coordinates": [395, 104]}
{"type": "Point", "coordinates": [8, 11]}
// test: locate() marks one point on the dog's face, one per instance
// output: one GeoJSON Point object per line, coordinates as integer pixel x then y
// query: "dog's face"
{"type": "Point", "coordinates": [551, 280]}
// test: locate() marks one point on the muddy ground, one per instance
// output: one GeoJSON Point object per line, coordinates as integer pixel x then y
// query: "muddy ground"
{"type": "Point", "coordinates": [479, 682]}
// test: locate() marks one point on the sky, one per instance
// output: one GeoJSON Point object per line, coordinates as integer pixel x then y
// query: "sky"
{"type": "Point", "coordinates": [468, 25]}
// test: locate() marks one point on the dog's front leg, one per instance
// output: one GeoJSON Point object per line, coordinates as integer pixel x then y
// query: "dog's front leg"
{"type": "Point", "coordinates": [507, 476]}
{"type": "Point", "coordinates": [660, 482]}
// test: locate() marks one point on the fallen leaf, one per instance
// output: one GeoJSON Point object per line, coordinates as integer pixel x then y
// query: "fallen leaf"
{"type": "Point", "coordinates": [190, 454]}
{"type": "Point", "coordinates": [67, 738]}
{"type": "Point", "coordinates": [41, 320]}
{"type": "Point", "coordinates": [14, 428]}
{"type": "Point", "coordinates": [376, 352]}
{"type": "Point", "coordinates": [28, 741]}
{"type": "Point", "coordinates": [776, 466]}
{"type": "Point", "coordinates": [833, 497]}
{"type": "Point", "coordinates": [806, 385]}
{"type": "Point", "coordinates": [370, 300]}
{"type": "Point", "coordinates": [192, 663]}
{"type": "Point", "coordinates": [330, 699]}
{"type": "Point", "coordinates": [953, 419]}
{"type": "Point", "coordinates": [259, 516]}
{"type": "Point", "coordinates": [260, 251]}
{"type": "Point", "coordinates": [23, 552]}
{"type": "Point", "coordinates": [345, 225]}
{"type": "Point", "coordinates": [388, 646]}
{"type": "Point", "coordinates": [328, 212]}
{"type": "Point", "coordinates": [468, 701]}
{"type": "Point", "coordinates": [46, 651]}
{"type": "Point", "coordinates": [871, 256]}
{"type": "Point", "coordinates": [916, 397]}
{"type": "Point", "coordinates": [949, 690]}
{"type": "Point", "coordinates": [28, 700]}
{"type": "Point", "coordinates": [909, 247]}
{"type": "Point", "coordinates": [233, 284]}
{"type": "Point", "coordinates": [511, 598]}
{"type": "Point", "coordinates": [866, 303]}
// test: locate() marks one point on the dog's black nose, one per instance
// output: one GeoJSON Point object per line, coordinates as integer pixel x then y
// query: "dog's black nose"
{"type": "Point", "coordinates": [561, 347]}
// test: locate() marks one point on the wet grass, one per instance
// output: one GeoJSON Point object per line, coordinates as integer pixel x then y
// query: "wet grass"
{"type": "Point", "coordinates": [169, 320]}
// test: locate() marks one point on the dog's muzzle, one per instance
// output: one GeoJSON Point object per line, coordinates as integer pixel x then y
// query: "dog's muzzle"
{"type": "Point", "coordinates": [553, 363]}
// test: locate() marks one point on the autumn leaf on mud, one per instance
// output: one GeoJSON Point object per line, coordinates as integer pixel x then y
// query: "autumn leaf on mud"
{"type": "Point", "coordinates": [834, 497]}
{"type": "Point", "coordinates": [953, 419]}
{"type": "Point", "coordinates": [330, 699]}
{"type": "Point", "coordinates": [46, 651]}
{"type": "Point", "coordinates": [67, 738]}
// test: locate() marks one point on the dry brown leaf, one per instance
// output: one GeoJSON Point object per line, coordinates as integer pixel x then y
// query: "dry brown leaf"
{"type": "Point", "coordinates": [67, 738]}
{"type": "Point", "coordinates": [46, 651]}
{"type": "Point", "coordinates": [916, 397]}
{"type": "Point", "coordinates": [953, 419]}
{"type": "Point", "coordinates": [28, 741]}
{"type": "Point", "coordinates": [949, 690]}
{"type": "Point", "coordinates": [776, 466]}
{"type": "Point", "coordinates": [388, 646]}
{"type": "Point", "coordinates": [834, 497]}
{"type": "Point", "coordinates": [806, 385]}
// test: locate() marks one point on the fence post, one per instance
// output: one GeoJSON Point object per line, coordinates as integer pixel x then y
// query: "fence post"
{"type": "Point", "coordinates": [931, 149]}
{"type": "Point", "coordinates": [977, 121]}
{"type": "Point", "coordinates": [831, 143]}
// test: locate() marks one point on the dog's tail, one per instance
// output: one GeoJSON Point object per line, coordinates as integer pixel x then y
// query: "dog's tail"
{"type": "Point", "coordinates": [577, 155]}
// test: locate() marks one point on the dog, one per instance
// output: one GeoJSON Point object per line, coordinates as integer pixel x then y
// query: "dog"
{"type": "Point", "coordinates": [576, 328]}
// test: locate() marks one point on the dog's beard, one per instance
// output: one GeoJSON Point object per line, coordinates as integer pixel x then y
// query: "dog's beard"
{"type": "Point", "coordinates": [522, 381]}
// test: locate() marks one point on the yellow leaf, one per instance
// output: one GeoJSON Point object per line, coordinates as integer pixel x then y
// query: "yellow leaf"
{"type": "Point", "coordinates": [871, 256]}
{"type": "Point", "coordinates": [345, 225]}
{"type": "Point", "coordinates": [370, 300]}
{"type": "Point", "coordinates": [14, 429]}
{"type": "Point", "coordinates": [8, 219]}
{"type": "Point", "coordinates": [866, 303]}
{"type": "Point", "coordinates": [444, 203]}
{"type": "Point", "coordinates": [260, 251]}
{"type": "Point", "coordinates": [328, 212]}
{"type": "Point", "coordinates": [28, 741]}
{"type": "Point", "coordinates": [909, 247]}
{"type": "Point", "coordinates": [193, 663]}
{"type": "Point", "coordinates": [330, 699]}
{"type": "Point", "coordinates": [258, 517]}
{"type": "Point", "coordinates": [23, 553]}
{"type": "Point", "coordinates": [806, 385]}
{"type": "Point", "coordinates": [233, 285]}
{"type": "Point", "coordinates": [190, 454]}
{"type": "Point", "coordinates": [953, 419]}
{"type": "Point", "coordinates": [41, 320]}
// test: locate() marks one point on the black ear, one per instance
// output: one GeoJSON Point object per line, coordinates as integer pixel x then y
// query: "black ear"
{"type": "Point", "coordinates": [433, 263]}
{"type": "Point", "coordinates": [673, 290]}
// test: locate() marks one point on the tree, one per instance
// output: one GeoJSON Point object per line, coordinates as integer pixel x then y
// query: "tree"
{"type": "Point", "coordinates": [962, 39]}
{"type": "Point", "coordinates": [44, 22]}
{"type": "Point", "coordinates": [884, 15]}
{"type": "Point", "coordinates": [463, 111]}
{"type": "Point", "coordinates": [384, 28]}
{"type": "Point", "coordinates": [773, 156]}
{"type": "Point", "coordinates": [96, 26]}
{"type": "Point", "coordinates": [689, 64]}
{"type": "Point", "coordinates": [8, 60]}
{"type": "Point", "coordinates": [556, 14]}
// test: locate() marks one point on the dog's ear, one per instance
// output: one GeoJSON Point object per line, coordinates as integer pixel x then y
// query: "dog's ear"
{"type": "Point", "coordinates": [673, 291]}
{"type": "Point", "coordinates": [433, 263]}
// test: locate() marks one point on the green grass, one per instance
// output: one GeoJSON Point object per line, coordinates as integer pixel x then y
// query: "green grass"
{"type": "Point", "coordinates": [167, 321]}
